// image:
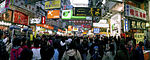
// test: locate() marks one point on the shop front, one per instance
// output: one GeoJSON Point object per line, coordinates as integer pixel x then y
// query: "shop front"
{"type": "Point", "coordinates": [135, 22]}
{"type": "Point", "coordinates": [115, 25]}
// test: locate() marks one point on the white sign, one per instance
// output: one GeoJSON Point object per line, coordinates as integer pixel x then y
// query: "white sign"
{"type": "Point", "coordinates": [35, 20]}
{"type": "Point", "coordinates": [96, 30]}
{"type": "Point", "coordinates": [66, 14]}
{"type": "Point", "coordinates": [100, 25]}
{"type": "Point", "coordinates": [2, 7]}
{"type": "Point", "coordinates": [79, 3]}
{"type": "Point", "coordinates": [5, 23]}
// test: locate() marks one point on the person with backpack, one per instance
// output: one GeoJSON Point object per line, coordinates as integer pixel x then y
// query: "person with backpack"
{"type": "Point", "coordinates": [16, 49]}
{"type": "Point", "coordinates": [3, 53]}
{"type": "Point", "coordinates": [96, 51]}
{"type": "Point", "coordinates": [71, 53]}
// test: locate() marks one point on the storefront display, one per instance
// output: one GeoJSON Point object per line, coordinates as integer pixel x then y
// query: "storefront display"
{"type": "Point", "coordinates": [115, 25]}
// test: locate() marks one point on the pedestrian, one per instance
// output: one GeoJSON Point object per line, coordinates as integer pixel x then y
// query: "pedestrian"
{"type": "Point", "coordinates": [122, 53]}
{"type": "Point", "coordinates": [84, 49]}
{"type": "Point", "coordinates": [36, 50]}
{"type": "Point", "coordinates": [71, 53]}
{"type": "Point", "coordinates": [16, 49]}
{"type": "Point", "coordinates": [46, 52]}
{"type": "Point", "coordinates": [26, 54]}
{"type": "Point", "coordinates": [56, 53]}
{"type": "Point", "coordinates": [3, 53]}
{"type": "Point", "coordinates": [140, 51]}
{"type": "Point", "coordinates": [110, 54]}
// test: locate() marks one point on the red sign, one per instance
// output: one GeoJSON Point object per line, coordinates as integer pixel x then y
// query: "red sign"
{"type": "Point", "coordinates": [20, 18]}
{"type": "Point", "coordinates": [132, 12]}
{"type": "Point", "coordinates": [43, 19]}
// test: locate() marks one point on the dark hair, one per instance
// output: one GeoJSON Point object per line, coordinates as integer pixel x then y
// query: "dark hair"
{"type": "Point", "coordinates": [24, 41]}
{"type": "Point", "coordinates": [26, 54]}
{"type": "Point", "coordinates": [1, 34]}
{"type": "Point", "coordinates": [16, 42]}
{"type": "Point", "coordinates": [36, 43]}
{"type": "Point", "coordinates": [112, 48]}
{"type": "Point", "coordinates": [47, 52]}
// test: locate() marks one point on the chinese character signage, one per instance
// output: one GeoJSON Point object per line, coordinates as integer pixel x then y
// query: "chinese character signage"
{"type": "Point", "coordinates": [66, 14]}
{"type": "Point", "coordinates": [53, 14]}
{"type": "Point", "coordinates": [139, 37]}
{"type": "Point", "coordinates": [137, 24]}
{"type": "Point", "coordinates": [96, 30]}
{"type": "Point", "coordinates": [82, 11]}
{"type": "Point", "coordinates": [7, 16]}
{"type": "Point", "coordinates": [35, 21]}
{"type": "Point", "coordinates": [53, 4]}
{"type": "Point", "coordinates": [134, 12]}
{"type": "Point", "coordinates": [20, 18]}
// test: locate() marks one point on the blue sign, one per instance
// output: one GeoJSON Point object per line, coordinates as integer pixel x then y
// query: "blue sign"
{"type": "Point", "coordinates": [96, 30]}
{"type": "Point", "coordinates": [126, 25]}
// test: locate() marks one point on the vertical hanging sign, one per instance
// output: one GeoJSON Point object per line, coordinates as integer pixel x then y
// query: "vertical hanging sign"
{"type": "Point", "coordinates": [43, 19]}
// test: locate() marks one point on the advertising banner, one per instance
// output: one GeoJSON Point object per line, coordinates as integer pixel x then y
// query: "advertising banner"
{"type": "Point", "coordinates": [7, 16]}
{"type": "Point", "coordinates": [135, 12]}
{"type": "Point", "coordinates": [139, 37]}
{"type": "Point", "coordinates": [35, 21]}
{"type": "Point", "coordinates": [20, 18]}
{"type": "Point", "coordinates": [82, 11]}
{"type": "Point", "coordinates": [2, 7]}
{"type": "Point", "coordinates": [137, 24]}
{"type": "Point", "coordinates": [45, 26]}
{"type": "Point", "coordinates": [43, 20]}
{"type": "Point", "coordinates": [53, 4]}
{"type": "Point", "coordinates": [67, 14]}
{"type": "Point", "coordinates": [96, 30]}
{"type": "Point", "coordinates": [126, 25]}
{"type": "Point", "coordinates": [70, 28]}
{"type": "Point", "coordinates": [75, 29]}
{"type": "Point", "coordinates": [53, 14]}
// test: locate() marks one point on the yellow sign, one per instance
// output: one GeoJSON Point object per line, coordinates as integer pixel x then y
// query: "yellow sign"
{"type": "Point", "coordinates": [139, 37]}
{"type": "Point", "coordinates": [53, 4]}
{"type": "Point", "coordinates": [35, 34]}
{"type": "Point", "coordinates": [31, 37]}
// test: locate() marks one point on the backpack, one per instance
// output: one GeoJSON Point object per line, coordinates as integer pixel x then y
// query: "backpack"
{"type": "Point", "coordinates": [16, 53]}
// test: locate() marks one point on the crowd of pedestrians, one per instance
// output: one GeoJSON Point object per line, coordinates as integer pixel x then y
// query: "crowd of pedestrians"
{"type": "Point", "coordinates": [54, 47]}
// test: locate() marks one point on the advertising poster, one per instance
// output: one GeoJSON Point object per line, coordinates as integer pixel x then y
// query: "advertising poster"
{"type": "Point", "coordinates": [35, 21]}
{"type": "Point", "coordinates": [53, 4]}
{"type": "Point", "coordinates": [97, 30]}
{"type": "Point", "coordinates": [70, 28]}
{"type": "Point", "coordinates": [7, 16]}
{"type": "Point", "coordinates": [53, 14]}
{"type": "Point", "coordinates": [20, 18]}
{"type": "Point", "coordinates": [139, 37]}
{"type": "Point", "coordinates": [82, 11]}
{"type": "Point", "coordinates": [67, 14]}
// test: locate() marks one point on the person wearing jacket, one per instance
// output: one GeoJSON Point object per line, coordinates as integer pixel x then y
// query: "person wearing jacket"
{"type": "Point", "coordinates": [16, 49]}
{"type": "Point", "coordinates": [71, 53]}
